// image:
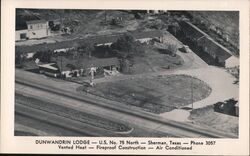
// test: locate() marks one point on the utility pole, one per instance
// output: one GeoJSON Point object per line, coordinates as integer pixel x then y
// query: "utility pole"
{"type": "Point", "coordinates": [61, 65]}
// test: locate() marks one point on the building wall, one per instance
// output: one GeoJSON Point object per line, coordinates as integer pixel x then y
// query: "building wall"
{"type": "Point", "coordinates": [38, 33]}
{"type": "Point", "coordinates": [203, 40]}
{"type": "Point", "coordinates": [214, 50]}
{"type": "Point", "coordinates": [232, 62]}
{"type": "Point", "coordinates": [38, 30]}
{"type": "Point", "coordinates": [18, 34]}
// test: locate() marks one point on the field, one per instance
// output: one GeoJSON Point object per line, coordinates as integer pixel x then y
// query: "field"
{"type": "Point", "coordinates": [209, 118]}
{"type": "Point", "coordinates": [227, 21]}
{"type": "Point", "coordinates": [153, 94]}
{"type": "Point", "coordinates": [83, 22]}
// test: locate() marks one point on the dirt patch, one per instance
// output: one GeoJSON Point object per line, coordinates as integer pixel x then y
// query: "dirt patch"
{"type": "Point", "coordinates": [208, 117]}
{"type": "Point", "coordinates": [153, 94]}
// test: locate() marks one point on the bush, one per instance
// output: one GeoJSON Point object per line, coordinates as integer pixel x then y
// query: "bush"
{"type": "Point", "coordinates": [172, 48]}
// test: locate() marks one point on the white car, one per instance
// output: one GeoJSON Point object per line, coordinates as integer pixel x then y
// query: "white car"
{"type": "Point", "coordinates": [185, 49]}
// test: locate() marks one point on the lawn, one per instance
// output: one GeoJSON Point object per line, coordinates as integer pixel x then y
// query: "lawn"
{"type": "Point", "coordinates": [208, 117]}
{"type": "Point", "coordinates": [157, 94]}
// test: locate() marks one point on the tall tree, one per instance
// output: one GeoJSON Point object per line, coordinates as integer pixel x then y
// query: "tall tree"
{"type": "Point", "coordinates": [126, 48]}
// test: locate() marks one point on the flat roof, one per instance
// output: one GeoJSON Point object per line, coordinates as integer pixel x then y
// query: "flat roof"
{"type": "Point", "coordinates": [48, 66]}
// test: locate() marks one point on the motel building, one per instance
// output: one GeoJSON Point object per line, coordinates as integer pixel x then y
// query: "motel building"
{"type": "Point", "coordinates": [68, 68]}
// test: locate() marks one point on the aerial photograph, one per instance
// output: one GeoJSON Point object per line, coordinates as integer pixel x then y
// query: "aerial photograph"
{"type": "Point", "coordinates": [126, 73]}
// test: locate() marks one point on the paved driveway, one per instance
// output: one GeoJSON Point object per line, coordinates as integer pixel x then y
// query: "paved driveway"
{"type": "Point", "coordinates": [221, 82]}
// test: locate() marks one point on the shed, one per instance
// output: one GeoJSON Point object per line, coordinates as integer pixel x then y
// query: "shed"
{"type": "Point", "coordinates": [50, 69]}
{"type": "Point", "coordinates": [232, 62]}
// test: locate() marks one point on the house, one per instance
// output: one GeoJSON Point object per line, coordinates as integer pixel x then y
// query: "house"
{"type": "Point", "coordinates": [32, 29]}
{"type": "Point", "coordinates": [232, 62]}
{"type": "Point", "coordinates": [38, 29]}
{"type": "Point", "coordinates": [74, 68]}
{"type": "Point", "coordinates": [146, 36]}
{"type": "Point", "coordinates": [21, 35]}
{"type": "Point", "coordinates": [21, 30]}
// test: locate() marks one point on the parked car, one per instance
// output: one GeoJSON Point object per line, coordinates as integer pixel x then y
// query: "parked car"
{"type": "Point", "coordinates": [185, 49]}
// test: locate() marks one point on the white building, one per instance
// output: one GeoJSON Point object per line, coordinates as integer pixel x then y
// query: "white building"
{"type": "Point", "coordinates": [34, 29]}
{"type": "Point", "coordinates": [232, 62]}
{"type": "Point", "coordinates": [38, 29]}
{"type": "Point", "coordinates": [21, 35]}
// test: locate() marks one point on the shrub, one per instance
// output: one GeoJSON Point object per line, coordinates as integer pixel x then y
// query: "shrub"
{"type": "Point", "coordinates": [172, 48]}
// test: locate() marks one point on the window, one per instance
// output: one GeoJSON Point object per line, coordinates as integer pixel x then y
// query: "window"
{"type": "Point", "coordinates": [23, 36]}
{"type": "Point", "coordinates": [31, 27]}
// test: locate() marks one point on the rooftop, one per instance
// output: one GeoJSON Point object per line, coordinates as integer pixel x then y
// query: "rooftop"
{"type": "Point", "coordinates": [209, 38]}
{"type": "Point", "coordinates": [67, 64]}
{"type": "Point", "coordinates": [35, 21]}
{"type": "Point", "coordinates": [101, 39]}
{"type": "Point", "coordinates": [51, 66]}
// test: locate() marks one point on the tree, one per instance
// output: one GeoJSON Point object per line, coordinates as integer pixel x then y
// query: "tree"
{"type": "Point", "coordinates": [87, 47]}
{"type": "Point", "coordinates": [19, 58]}
{"type": "Point", "coordinates": [126, 48]}
{"type": "Point", "coordinates": [172, 48]}
{"type": "Point", "coordinates": [43, 56]}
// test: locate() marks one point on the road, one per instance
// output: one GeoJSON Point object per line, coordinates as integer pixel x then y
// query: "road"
{"type": "Point", "coordinates": [143, 123]}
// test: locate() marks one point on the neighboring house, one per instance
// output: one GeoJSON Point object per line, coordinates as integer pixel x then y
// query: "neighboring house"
{"type": "Point", "coordinates": [146, 36]}
{"type": "Point", "coordinates": [32, 29]}
{"type": "Point", "coordinates": [21, 30]}
{"type": "Point", "coordinates": [21, 35]}
{"type": "Point", "coordinates": [232, 62]}
{"type": "Point", "coordinates": [38, 29]}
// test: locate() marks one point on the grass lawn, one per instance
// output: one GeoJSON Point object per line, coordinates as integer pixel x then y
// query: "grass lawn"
{"type": "Point", "coordinates": [208, 117]}
{"type": "Point", "coordinates": [153, 94]}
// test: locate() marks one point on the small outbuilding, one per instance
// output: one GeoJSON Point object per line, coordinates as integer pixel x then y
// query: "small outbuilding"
{"type": "Point", "coordinates": [49, 69]}
{"type": "Point", "coordinates": [232, 62]}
